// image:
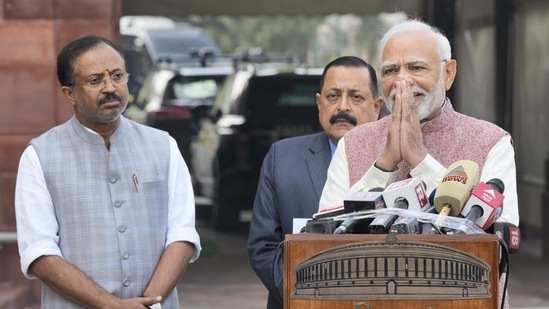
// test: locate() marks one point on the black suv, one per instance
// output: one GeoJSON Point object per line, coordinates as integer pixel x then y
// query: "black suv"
{"type": "Point", "coordinates": [175, 96]}
{"type": "Point", "coordinates": [258, 105]}
{"type": "Point", "coordinates": [144, 48]}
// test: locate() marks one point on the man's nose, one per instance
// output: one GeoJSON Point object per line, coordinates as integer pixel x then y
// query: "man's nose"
{"type": "Point", "coordinates": [403, 72]}
{"type": "Point", "coordinates": [407, 78]}
{"type": "Point", "coordinates": [108, 84]}
{"type": "Point", "coordinates": [344, 103]}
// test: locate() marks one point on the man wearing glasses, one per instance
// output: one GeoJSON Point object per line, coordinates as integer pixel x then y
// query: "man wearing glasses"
{"type": "Point", "coordinates": [104, 206]}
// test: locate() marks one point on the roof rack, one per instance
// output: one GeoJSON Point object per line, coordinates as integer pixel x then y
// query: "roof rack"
{"type": "Point", "coordinates": [256, 57]}
{"type": "Point", "coordinates": [197, 57]}
{"type": "Point", "coordinates": [246, 59]}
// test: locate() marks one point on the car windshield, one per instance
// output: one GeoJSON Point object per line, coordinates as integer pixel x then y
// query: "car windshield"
{"type": "Point", "coordinates": [283, 99]}
{"type": "Point", "coordinates": [174, 42]}
{"type": "Point", "coordinates": [299, 95]}
{"type": "Point", "coordinates": [192, 90]}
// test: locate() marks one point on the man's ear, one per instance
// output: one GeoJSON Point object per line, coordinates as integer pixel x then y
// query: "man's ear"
{"type": "Point", "coordinates": [450, 70]}
{"type": "Point", "coordinates": [69, 93]}
{"type": "Point", "coordinates": [378, 103]}
{"type": "Point", "coordinates": [317, 97]}
{"type": "Point", "coordinates": [383, 109]}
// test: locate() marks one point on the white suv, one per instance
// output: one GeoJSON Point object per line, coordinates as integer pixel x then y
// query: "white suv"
{"type": "Point", "coordinates": [258, 105]}
{"type": "Point", "coordinates": [174, 97]}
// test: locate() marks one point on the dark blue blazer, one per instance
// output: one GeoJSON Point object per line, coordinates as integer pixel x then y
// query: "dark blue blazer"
{"type": "Point", "coordinates": [290, 185]}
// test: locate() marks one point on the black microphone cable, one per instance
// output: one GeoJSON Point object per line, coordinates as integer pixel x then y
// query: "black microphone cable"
{"type": "Point", "coordinates": [504, 264]}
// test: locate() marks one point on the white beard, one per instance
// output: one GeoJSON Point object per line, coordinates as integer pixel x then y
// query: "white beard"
{"type": "Point", "coordinates": [431, 101]}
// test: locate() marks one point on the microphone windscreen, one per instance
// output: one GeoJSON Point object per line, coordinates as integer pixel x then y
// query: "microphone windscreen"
{"type": "Point", "coordinates": [456, 185]}
{"type": "Point", "coordinates": [485, 203]}
{"type": "Point", "coordinates": [411, 189]}
{"type": "Point", "coordinates": [497, 184]}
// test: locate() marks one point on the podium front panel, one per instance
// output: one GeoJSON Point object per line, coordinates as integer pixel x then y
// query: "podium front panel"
{"type": "Point", "coordinates": [366, 271]}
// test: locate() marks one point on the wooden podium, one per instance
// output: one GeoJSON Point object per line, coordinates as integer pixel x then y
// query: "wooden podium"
{"type": "Point", "coordinates": [365, 271]}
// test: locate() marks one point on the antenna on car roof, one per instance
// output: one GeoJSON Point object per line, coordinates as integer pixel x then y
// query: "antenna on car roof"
{"type": "Point", "coordinates": [256, 55]}
{"type": "Point", "coordinates": [195, 57]}
{"type": "Point", "coordinates": [203, 54]}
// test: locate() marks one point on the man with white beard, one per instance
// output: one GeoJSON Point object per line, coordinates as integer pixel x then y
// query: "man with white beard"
{"type": "Point", "coordinates": [424, 135]}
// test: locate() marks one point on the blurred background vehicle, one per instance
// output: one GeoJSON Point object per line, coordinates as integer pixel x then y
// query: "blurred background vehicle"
{"type": "Point", "coordinates": [175, 73]}
{"type": "Point", "coordinates": [261, 102]}
{"type": "Point", "coordinates": [148, 40]}
{"type": "Point", "coordinates": [175, 96]}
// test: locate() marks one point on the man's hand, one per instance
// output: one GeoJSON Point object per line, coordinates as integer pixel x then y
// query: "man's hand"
{"type": "Point", "coordinates": [404, 137]}
{"type": "Point", "coordinates": [411, 138]}
{"type": "Point", "coordinates": [391, 155]}
{"type": "Point", "coordinates": [139, 302]}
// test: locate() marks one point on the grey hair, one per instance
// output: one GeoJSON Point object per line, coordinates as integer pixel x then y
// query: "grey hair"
{"type": "Point", "coordinates": [408, 26]}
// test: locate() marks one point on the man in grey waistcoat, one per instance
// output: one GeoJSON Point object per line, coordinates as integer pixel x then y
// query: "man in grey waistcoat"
{"type": "Point", "coordinates": [104, 206]}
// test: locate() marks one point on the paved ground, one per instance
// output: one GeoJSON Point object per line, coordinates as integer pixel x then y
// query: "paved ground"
{"type": "Point", "coordinates": [222, 277]}
{"type": "Point", "coordinates": [529, 277]}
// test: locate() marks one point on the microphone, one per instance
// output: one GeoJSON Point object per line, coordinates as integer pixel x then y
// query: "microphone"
{"type": "Point", "coordinates": [348, 225]}
{"type": "Point", "coordinates": [329, 212]}
{"type": "Point", "coordinates": [430, 228]}
{"type": "Point", "coordinates": [320, 226]}
{"type": "Point", "coordinates": [410, 190]}
{"type": "Point", "coordinates": [412, 225]}
{"type": "Point", "coordinates": [405, 194]}
{"type": "Point", "coordinates": [510, 234]}
{"type": "Point", "coordinates": [432, 197]}
{"type": "Point", "coordinates": [485, 205]}
{"type": "Point", "coordinates": [405, 225]}
{"type": "Point", "coordinates": [357, 201]}
{"type": "Point", "coordinates": [455, 187]}
{"type": "Point", "coordinates": [382, 223]}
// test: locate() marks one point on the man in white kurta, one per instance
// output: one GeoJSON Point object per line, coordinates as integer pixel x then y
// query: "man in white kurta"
{"type": "Point", "coordinates": [104, 206]}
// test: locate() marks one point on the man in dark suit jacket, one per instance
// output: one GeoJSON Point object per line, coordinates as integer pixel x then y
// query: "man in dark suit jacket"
{"type": "Point", "coordinates": [294, 171]}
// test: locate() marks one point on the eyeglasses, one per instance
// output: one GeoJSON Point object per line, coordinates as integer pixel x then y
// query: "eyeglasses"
{"type": "Point", "coordinates": [99, 81]}
{"type": "Point", "coordinates": [414, 68]}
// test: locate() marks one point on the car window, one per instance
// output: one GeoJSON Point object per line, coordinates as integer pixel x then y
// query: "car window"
{"type": "Point", "coordinates": [189, 90]}
{"type": "Point", "coordinates": [283, 99]}
{"type": "Point", "coordinates": [299, 95]}
{"type": "Point", "coordinates": [168, 42]}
